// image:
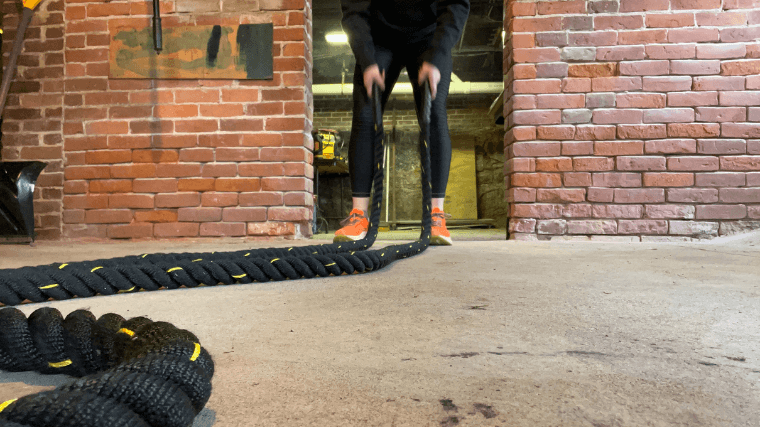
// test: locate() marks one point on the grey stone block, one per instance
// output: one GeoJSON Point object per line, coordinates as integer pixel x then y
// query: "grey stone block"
{"type": "Point", "coordinates": [578, 54]}
{"type": "Point", "coordinates": [600, 100]}
{"type": "Point", "coordinates": [580, 115]}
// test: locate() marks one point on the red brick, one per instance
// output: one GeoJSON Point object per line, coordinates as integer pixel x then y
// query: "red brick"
{"type": "Point", "coordinates": [142, 201]}
{"type": "Point", "coordinates": [521, 41]}
{"type": "Point", "coordinates": [721, 211]}
{"type": "Point", "coordinates": [695, 67]}
{"type": "Point", "coordinates": [534, 25]}
{"type": "Point", "coordinates": [740, 67]}
{"type": "Point", "coordinates": [133, 171]}
{"type": "Point", "coordinates": [238, 214]}
{"type": "Point", "coordinates": [576, 85]}
{"type": "Point", "coordinates": [196, 155]}
{"type": "Point", "coordinates": [108, 156]}
{"type": "Point", "coordinates": [164, 170]}
{"type": "Point", "coordinates": [692, 99]}
{"type": "Point", "coordinates": [721, 51]}
{"type": "Point", "coordinates": [641, 131]}
{"type": "Point", "coordinates": [669, 211]}
{"type": "Point", "coordinates": [554, 164]}
{"type": "Point", "coordinates": [740, 34]}
{"type": "Point", "coordinates": [592, 227]}
{"type": "Point", "coordinates": [644, 68]}
{"type": "Point", "coordinates": [271, 229]}
{"type": "Point", "coordinates": [261, 199]}
{"type": "Point", "coordinates": [670, 146]}
{"type": "Point", "coordinates": [643, 5]}
{"type": "Point", "coordinates": [219, 199]}
{"type": "Point", "coordinates": [219, 169]}
{"type": "Point", "coordinates": [695, 4]}
{"type": "Point", "coordinates": [177, 200]}
{"type": "Point", "coordinates": [595, 38]}
{"type": "Point", "coordinates": [740, 4]}
{"type": "Point", "coordinates": [523, 102]}
{"type": "Point", "coordinates": [85, 201]}
{"type": "Point", "coordinates": [615, 84]}
{"type": "Point", "coordinates": [722, 146]}
{"type": "Point", "coordinates": [693, 35]}
{"type": "Point", "coordinates": [642, 37]}
{"type": "Point", "coordinates": [693, 130]}
{"type": "Point", "coordinates": [517, 195]}
{"type": "Point", "coordinates": [669, 51]}
{"type": "Point", "coordinates": [618, 148]}
{"type": "Point", "coordinates": [223, 229]}
{"type": "Point", "coordinates": [740, 98]}
{"type": "Point", "coordinates": [561, 7]}
{"type": "Point", "coordinates": [108, 216]}
{"type": "Point", "coordinates": [177, 229]}
{"type": "Point", "coordinates": [618, 22]}
{"type": "Point", "coordinates": [195, 184]}
{"type": "Point", "coordinates": [693, 163]}
{"type": "Point", "coordinates": [560, 101]}
{"type": "Point", "coordinates": [718, 83]}
{"type": "Point", "coordinates": [221, 110]}
{"type": "Point", "coordinates": [207, 214]}
{"type": "Point", "coordinates": [130, 231]}
{"type": "Point", "coordinates": [111, 186]}
{"type": "Point", "coordinates": [721, 114]}
{"type": "Point", "coordinates": [656, 227]}
{"type": "Point", "coordinates": [666, 84]}
{"type": "Point", "coordinates": [154, 156]}
{"type": "Point", "coordinates": [577, 148]}
{"type": "Point", "coordinates": [720, 179]}
{"type": "Point", "coordinates": [156, 216]}
{"type": "Point", "coordinates": [237, 184]}
{"type": "Point", "coordinates": [616, 179]}
{"type": "Point", "coordinates": [669, 20]}
{"type": "Point", "coordinates": [535, 55]}
{"type": "Point", "coordinates": [641, 163]}
{"type": "Point", "coordinates": [537, 117]}
{"type": "Point", "coordinates": [556, 132]}
{"type": "Point", "coordinates": [537, 86]}
{"type": "Point", "coordinates": [664, 179]}
{"type": "Point", "coordinates": [617, 211]}
{"type": "Point", "coordinates": [196, 126]}
{"type": "Point", "coordinates": [560, 195]}
{"type": "Point", "coordinates": [600, 195]}
{"type": "Point", "coordinates": [640, 100]}
{"type": "Point", "coordinates": [753, 82]}
{"type": "Point", "coordinates": [594, 133]}
{"type": "Point", "coordinates": [607, 69]}
{"type": "Point", "coordinates": [739, 195]}
{"type": "Point", "coordinates": [740, 130]}
{"type": "Point", "coordinates": [616, 116]}
{"type": "Point", "coordinates": [669, 115]}
{"type": "Point", "coordinates": [593, 164]}
{"type": "Point", "coordinates": [740, 163]}
{"type": "Point", "coordinates": [577, 179]}
{"type": "Point", "coordinates": [692, 195]}
{"type": "Point", "coordinates": [721, 19]}
{"type": "Point", "coordinates": [285, 184]}
{"type": "Point", "coordinates": [639, 195]}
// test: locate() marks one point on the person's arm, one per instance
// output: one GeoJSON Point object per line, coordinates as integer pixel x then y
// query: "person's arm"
{"type": "Point", "coordinates": [451, 19]}
{"type": "Point", "coordinates": [355, 23]}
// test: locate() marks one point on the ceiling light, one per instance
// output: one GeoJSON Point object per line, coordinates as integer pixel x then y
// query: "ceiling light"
{"type": "Point", "coordinates": [336, 38]}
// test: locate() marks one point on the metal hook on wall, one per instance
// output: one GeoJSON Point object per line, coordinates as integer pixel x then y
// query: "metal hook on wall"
{"type": "Point", "coordinates": [157, 39]}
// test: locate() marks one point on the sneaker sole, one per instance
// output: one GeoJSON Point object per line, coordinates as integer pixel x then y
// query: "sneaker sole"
{"type": "Point", "coordinates": [440, 241]}
{"type": "Point", "coordinates": [343, 238]}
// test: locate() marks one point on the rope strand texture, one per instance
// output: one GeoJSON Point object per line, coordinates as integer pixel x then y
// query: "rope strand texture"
{"type": "Point", "coordinates": [152, 272]}
{"type": "Point", "coordinates": [134, 373]}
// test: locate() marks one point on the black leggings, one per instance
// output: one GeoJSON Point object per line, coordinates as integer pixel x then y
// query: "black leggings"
{"type": "Point", "coordinates": [360, 151]}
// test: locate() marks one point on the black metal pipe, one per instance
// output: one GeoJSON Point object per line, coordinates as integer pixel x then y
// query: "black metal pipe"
{"type": "Point", "coordinates": [18, 44]}
{"type": "Point", "coordinates": [157, 39]}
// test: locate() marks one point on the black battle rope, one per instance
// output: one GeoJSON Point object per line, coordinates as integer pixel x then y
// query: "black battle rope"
{"type": "Point", "coordinates": [132, 373]}
{"type": "Point", "coordinates": [155, 271]}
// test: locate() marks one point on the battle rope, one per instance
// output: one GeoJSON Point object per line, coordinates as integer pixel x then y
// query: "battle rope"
{"type": "Point", "coordinates": [134, 373]}
{"type": "Point", "coordinates": [155, 271]}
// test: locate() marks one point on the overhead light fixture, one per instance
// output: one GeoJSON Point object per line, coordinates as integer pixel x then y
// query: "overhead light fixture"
{"type": "Point", "coordinates": [338, 37]}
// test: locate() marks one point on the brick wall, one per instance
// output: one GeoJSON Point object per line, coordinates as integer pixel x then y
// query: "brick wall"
{"type": "Point", "coordinates": [32, 126]}
{"type": "Point", "coordinates": [165, 158]}
{"type": "Point", "coordinates": [637, 118]}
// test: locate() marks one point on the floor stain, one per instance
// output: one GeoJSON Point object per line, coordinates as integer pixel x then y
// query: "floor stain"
{"type": "Point", "coordinates": [486, 410]}
{"type": "Point", "coordinates": [462, 355]}
{"type": "Point", "coordinates": [448, 405]}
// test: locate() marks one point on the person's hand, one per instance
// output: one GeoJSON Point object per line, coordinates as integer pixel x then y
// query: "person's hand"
{"type": "Point", "coordinates": [372, 75]}
{"type": "Point", "coordinates": [430, 72]}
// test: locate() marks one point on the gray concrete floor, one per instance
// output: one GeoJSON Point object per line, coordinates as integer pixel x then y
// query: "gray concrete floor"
{"type": "Point", "coordinates": [484, 333]}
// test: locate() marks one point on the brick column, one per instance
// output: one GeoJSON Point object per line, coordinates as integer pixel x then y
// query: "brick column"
{"type": "Point", "coordinates": [633, 118]}
{"type": "Point", "coordinates": [187, 158]}
{"type": "Point", "coordinates": [32, 116]}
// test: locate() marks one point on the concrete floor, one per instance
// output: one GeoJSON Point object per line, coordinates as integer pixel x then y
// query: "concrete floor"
{"type": "Point", "coordinates": [484, 333]}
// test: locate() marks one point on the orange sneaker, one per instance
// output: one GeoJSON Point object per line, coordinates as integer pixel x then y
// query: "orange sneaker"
{"type": "Point", "coordinates": [439, 235]}
{"type": "Point", "coordinates": [355, 227]}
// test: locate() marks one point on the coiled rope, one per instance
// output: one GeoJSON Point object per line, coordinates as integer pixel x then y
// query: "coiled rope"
{"type": "Point", "coordinates": [170, 271]}
{"type": "Point", "coordinates": [133, 373]}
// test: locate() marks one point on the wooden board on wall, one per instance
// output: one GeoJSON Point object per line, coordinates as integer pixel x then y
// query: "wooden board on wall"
{"type": "Point", "coordinates": [194, 52]}
{"type": "Point", "coordinates": [461, 191]}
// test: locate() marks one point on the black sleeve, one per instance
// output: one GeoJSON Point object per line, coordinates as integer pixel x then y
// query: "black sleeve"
{"type": "Point", "coordinates": [452, 15]}
{"type": "Point", "coordinates": [355, 23]}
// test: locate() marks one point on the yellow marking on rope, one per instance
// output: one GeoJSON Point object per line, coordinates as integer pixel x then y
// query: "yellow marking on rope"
{"type": "Point", "coordinates": [173, 269]}
{"type": "Point", "coordinates": [128, 290]}
{"type": "Point", "coordinates": [49, 286]}
{"type": "Point", "coordinates": [240, 276]}
{"type": "Point", "coordinates": [382, 254]}
{"type": "Point", "coordinates": [247, 254]}
{"type": "Point", "coordinates": [314, 252]}
{"type": "Point", "coordinates": [144, 255]}
{"type": "Point", "coordinates": [6, 404]}
{"type": "Point", "coordinates": [290, 249]}
{"type": "Point", "coordinates": [96, 268]}
{"type": "Point", "coordinates": [66, 362]}
{"type": "Point", "coordinates": [327, 265]}
{"type": "Point", "coordinates": [126, 331]}
{"type": "Point", "coordinates": [61, 266]}
{"type": "Point", "coordinates": [196, 352]}
{"type": "Point", "coordinates": [276, 259]}
{"type": "Point", "coordinates": [199, 259]}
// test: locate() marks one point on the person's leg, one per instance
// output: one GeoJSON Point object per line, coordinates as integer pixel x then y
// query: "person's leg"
{"type": "Point", "coordinates": [440, 142]}
{"type": "Point", "coordinates": [361, 153]}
